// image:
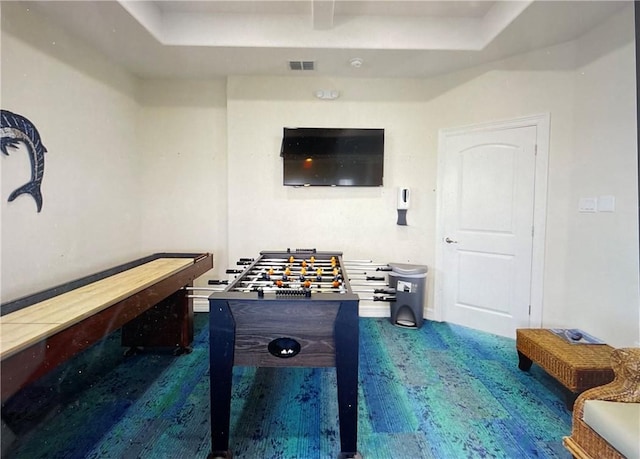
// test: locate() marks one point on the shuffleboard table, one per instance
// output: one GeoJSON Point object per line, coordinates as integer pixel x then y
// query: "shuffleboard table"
{"type": "Point", "coordinates": [145, 297]}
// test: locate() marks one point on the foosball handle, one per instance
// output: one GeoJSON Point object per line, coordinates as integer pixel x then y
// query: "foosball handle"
{"type": "Point", "coordinates": [302, 250]}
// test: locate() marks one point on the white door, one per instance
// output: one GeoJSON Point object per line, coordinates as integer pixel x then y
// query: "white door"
{"type": "Point", "coordinates": [487, 221]}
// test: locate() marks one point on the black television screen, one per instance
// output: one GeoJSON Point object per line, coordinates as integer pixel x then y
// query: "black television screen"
{"type": "Point", "coordinates": [332, 157]}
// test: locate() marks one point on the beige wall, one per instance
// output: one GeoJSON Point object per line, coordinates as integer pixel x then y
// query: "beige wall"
{"type": "Point", "coordinates": [595, 282]}
{"type": "Point", "coordinates": [182, 136]}
{"type": "Point", "coordinates": [361, 222]}
{"type": "Point", "coordinates": [588, 88]}
{"type": "Point", "coordinates": [86, 113]}
{"type": "Point", "coordinates": [196, 166]}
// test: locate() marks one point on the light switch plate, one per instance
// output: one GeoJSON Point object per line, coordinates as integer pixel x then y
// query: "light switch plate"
{"type": "Point", "coordinates": [588, 205]}
{"type": "Point", "coordinates": [606, 203]}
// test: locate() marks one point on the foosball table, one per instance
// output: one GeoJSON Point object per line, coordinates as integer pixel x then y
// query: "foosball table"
{"type": "Point", "coordinates": [286, 309]}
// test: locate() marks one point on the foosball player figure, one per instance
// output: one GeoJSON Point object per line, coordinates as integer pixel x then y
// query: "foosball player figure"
{"type": "Point", "coordinates": [291, 259]}
{"type": "Point", "coordinates": [319, 274]}
{"type": "Point", "coordinates": [307, 284]}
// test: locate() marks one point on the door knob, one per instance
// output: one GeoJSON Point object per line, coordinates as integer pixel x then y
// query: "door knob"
{"type": "Point", "coordinates": [448, 240]}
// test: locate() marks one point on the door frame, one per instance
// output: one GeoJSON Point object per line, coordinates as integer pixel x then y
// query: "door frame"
{"type": "Point", "coordinates": [542, 124]}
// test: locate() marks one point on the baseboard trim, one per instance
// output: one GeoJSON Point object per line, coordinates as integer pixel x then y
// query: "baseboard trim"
{"type": "Point", "coordinates": [374, 309]}
{"type": "Point", "coordinates": [200, 305]}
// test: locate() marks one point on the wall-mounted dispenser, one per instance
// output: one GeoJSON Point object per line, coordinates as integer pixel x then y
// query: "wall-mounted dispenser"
{"type": "Point", "coordinates": [404, 197]}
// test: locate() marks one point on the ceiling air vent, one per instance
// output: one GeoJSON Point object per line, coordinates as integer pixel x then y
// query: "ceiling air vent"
{"type": "Point", "coordinates": [302, 65]}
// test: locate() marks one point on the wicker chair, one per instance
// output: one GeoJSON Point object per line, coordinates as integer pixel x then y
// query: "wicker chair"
{"type": "Point", "coordinates": [584, 442]}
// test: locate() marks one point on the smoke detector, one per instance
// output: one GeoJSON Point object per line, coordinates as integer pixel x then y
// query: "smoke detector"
{"type": "Point", "coordinates": [326, 94]}
{"type": "Point", "coordinates": [356, 62]}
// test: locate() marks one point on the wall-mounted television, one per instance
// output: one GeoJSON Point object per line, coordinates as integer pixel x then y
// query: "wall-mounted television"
{"type": "Point", "coordinates": [332, 157]}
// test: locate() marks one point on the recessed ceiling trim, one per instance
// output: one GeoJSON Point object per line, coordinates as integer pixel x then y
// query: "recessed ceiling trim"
{"type": "Point", "coordinates": [500, 16]}
{"type": "Point", "coordinates": [147, 14]}
{"type": "Point", "coordinates": [393, 32]}
{"type": "Point", "coordinates": [322, 13]}
{"type": "Point", "coordinates": [110, 29]}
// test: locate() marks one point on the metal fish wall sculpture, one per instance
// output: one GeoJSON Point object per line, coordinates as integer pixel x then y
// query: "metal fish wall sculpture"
{"type": "Point", "coordinates": [15, 128]}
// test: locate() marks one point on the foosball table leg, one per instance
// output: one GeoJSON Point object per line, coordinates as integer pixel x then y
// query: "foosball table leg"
{"type": "Point", "coordinates": [346, 337]}
{"type": "Point", "coordinates": [222, 337]}
{"type": "Point", "coordinates": [220, 455]}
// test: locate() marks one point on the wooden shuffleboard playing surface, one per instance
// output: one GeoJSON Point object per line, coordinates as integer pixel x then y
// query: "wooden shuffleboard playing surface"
{"type": "Point", "coordinates": [27, 326]}
{"type": "Point", "coordinates": [146, 298]}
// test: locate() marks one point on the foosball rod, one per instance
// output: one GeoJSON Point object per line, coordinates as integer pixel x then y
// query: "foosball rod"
{"type": "Point", "coordinates": [379, 269]}
{"type": "Point", "coordinates": [366, 278]}
{"type": "Point", "coordinates": [273, 289]}
{"type": "Point", "coordinates": [200, 297]}
{"type": "Point", "coordinates": [285, 261]}
{"type": "Point", "coordinates": [316, 265]}
{"type": "Point", "coordinates": [312, 278]}
{"type": "Point", "coordinates": [388, 291]}
{"type": "Point", "coordinates": [243, 261]}
{"type": "Point", "coordinates": [391, 298]}
{"type": "Point", "coordinates": [357, 283]}
{"type": "Point", "coordinates": [356, 264]}
{"type": "Point", "coordinates": [323, 263]}
{"type": "Point", "coordinates": [293, 269]}
{"type": "Point", "coordinates": [207, 289]}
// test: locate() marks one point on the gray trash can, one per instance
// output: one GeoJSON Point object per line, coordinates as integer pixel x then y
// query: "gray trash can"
{"type": "Point", "coordinates": [410, 283]}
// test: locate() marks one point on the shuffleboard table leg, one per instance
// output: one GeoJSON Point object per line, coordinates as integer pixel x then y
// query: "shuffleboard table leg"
{"type": "Point", "coordinates": [133, 350]}
{"type": "Point", "coordinates": [346, 338]}
{"type": "Point", "coordinates": [222, 337]}
{"type": "Point", "coordinates": [182, 350]}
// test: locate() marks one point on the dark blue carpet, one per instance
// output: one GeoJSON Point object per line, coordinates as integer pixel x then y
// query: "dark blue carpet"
{"type": "Point", "coordinates": [443, 391]}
